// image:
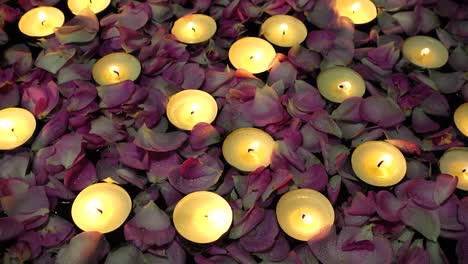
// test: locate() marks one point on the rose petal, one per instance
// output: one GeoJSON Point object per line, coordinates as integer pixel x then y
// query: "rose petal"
{"type": "Point", "coordinates": [262, 237]}
{"type": "Point", "coordinates": [125, 254]}
{"type": "Point", "coordinates": [388, 206]}
{"type": "Point", "coordinates": [159, 142]}
{"type": "Point", "coordinates": [381, 111]}
{"type": "Point", "coordinates": [84, 248]}
{"type": "Point", "coordinates": [424, 221]}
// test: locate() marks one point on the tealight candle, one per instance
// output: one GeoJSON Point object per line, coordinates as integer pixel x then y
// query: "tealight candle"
{"type": "Point", "coordinates": [101, 207]}
{"type": "Point", "coordinates": [187, 108]}
{"type": "Point", "coordinates": [17, 125]}
{"type": "Point", "coordinates": [359, 11]}
{"type": "Point", "coordinates": [254, 55]}
{"type": "Point", "coordinates": [339, 83]}
{"type": "Point", "coordinates": [248, 148]}
{"type": "Point", "coordinates": [455, 162]}
{"type": "Point", "coordinates": [378, 163]}
{"type": "Point", "coordinates": [202, 217]}
{"type": "Point", "coordinates": [115, 68]}
{"type": "Point", "coordinates": [96, 6]}
{"type": "Point", "coordinates": [41, 21]}
{"type": "Point", "coordinates": [284, 31]}
{"type": "Point", "coordinates": [461, 118]}
{"type": "Point", "coordinates": [194, 28]}
{"type": "Point", "coordinates": [425, 52]}
{"type": "Point", "coordinates": [305, 214]}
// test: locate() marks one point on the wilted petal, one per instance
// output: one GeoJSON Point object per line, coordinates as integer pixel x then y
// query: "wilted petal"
{"type": "Point", "coordinates": [67, 149]}
{"type": "Point", "coordinates": [40, 99]}
{"type": "Point", "coordinates": [125, 254]}
{"type": "Point", "coordinates": [27, 206]}
{"type": "Point", "coordinates": [246, 222]}
{"type": "Point", "coordinates": [423, 123]}
{"type": "Point", "coordinates": [388, 206]}
{"type": "Point", "coordinates": [265, 108]}
{"type": "Point", "coordinates": [84, 248]}
{"type": "Point", "coordinates": [51, 131]}
{"type": "Point", "coordinates": [436, 104]}
{"type": "Point", "coordinates": [303, 58]}
{"type": "Point", "coordinates": [80, 175]}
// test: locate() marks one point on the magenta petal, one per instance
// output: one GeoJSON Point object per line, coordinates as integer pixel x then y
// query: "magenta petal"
{"type": "Point", "coordinates": [257, 183]}
{"type": "Point", "coordinates": [314, 177]}
{"type": "Point", "coordinates": [15, 166]}
{"type": "Point", "coordinates": [304, 100]}
{"type": "Point", "coordinates": [125, 254]}
{"type": "Point", "coordinates": [150, 226]}
{"type": "Point", "coordinates": [52, 130]}
{"type": "Point", "coordinates": [240, 254]}
{"type": "Point", "coordinates": [384, 56]}
{"type": "Point", "coordinates": [67, 150]}
{"type": "Point", "coordinates": [10, 228]}
{"type": "Point", "coordinates": [56, 231]}
{"type": "Point", "coordinates": [279, 251]}
{"type": "Point", "coordinates": [388, 206]}
{"type": "Point", "coordinates": [26, 206]}
{"type": "Point", "coordinates": [448, 215]}
{"type": "Point", "coordinates": [362, 205]}
{"type": "Point", "coordinates": [381, 111]}
{"type": "Point", "coordinates": [463, 212]}
{"type": "Point", "coordinates": [159, 142]}
{"type": "Point", "coordinates": [204, 135]}
{"type": "Point", "coordinates": [279, 179]}
{"type": "Point", "coordinates": [113, 95]}
{"type": "Point", "coordinates": [41, 99]}
{"type": "Point", "coordinates": [348, 110]}
{"type": "Point", "coordinates": [424, 221]}
{"type": "Point", "coordinates": [132, 40]}
{"type": "Point", "coordinates": [282, 71]}
{"type": "Point", "coordinates": [247, 222]}
{"type": "Point", "coordinates": [265, 108]}
{"type": "Point", "coordinates": [262, 237]}
{"type": "Point", "coordinates": [321, 40]}
{"type": "Point", "coordinates": [194, 76]}
{"type": "Point", "coordinates": [132, 156]}
{"type": "Point", "coordinates": [405, 146]}
{"type": "Point", "coordinates": [20, 57]}
{"type": "Point", "coordinates": [131, 15]}
{"type": "Point", "coordinates": [303, 58]}
{"type": "Point", "coordinates": [55, 188]}
{"type": "Point", "coordinates": [84, 248]}
{"type": "Point", "coordinates": [423, 123]}
{"type": "Point", "coordinates": [436, 104]}
{"type": "Point", "coordinates": [322, 121]}
{"type": "Point", "coordinates": [195, 175]}
{"type": "Point", "coordinates": [80, 175]}
{"type": "Point", "coordinates": [333, 188]}
{"type": "Point", "coordinates": [161, 166]}
{"type": "Point", "coordinates": [326, 249]}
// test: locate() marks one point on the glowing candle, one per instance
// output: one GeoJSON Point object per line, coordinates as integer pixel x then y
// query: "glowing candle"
{"type": "Point", "coordinates": [378, 163]}
{"type": "Point", "coordinates": [248, 148]}
{"type": "Point", "coordinates": [284, 31]}
{"type": "Point", "coordinates": [194, 28]}
{"type": "Point", "coordinates": [115, 68]}
{"type": "Point", "coordinates": [17, 125]}
{"type": "Point", "coordinates": [41, 21]}
{"type": "Point", "coordinates": [187, 108]}
{"type": "Point", "coordinates": [96, 6]}
{"type": "Point", "coordinates": [254, 55]}
{"type": "Point", "coordinates": [425, 52]}
{"type": "Point", "coordinates": [202, 217]}
{"type": "Point", "coordinates": [101, 207]}
{"type": "Point", "coordinates": [339, 83]}
{"type": "Point", "coordinates": [461, 118]}
{"type": "Point", "coordinates": [455, 162]}
{"type": "Point", "coordinates": [359, 11]}
{"type": "Point", "coordinates": [305, 214]}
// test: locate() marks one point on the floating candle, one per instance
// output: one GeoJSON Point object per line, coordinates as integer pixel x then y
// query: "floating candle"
{"type": "Point", "coordinates": [254, 55]}
{"type": "Point", "coordinates": [248, 148]}
{"type": "Point", "coordinates": [17, 125]}
{"type": "Point", "coordinates": [284, 31]}
{"type": "Point", "coordinates": [305, 214]}
{"type": "Point", "coordinates": [359, 11]}
{"type": "Point", "coordinates": [187, 108]}
{"type": "Point", "coordinates": [378, 163]}
{"type": "Point", "coordinates": [425, 52]}
{"type": "Point", "coordinates": [194, 28]}
{"type": "Point", "coordinates": [455, 162]}
{"type": "Point", "coordinates": [461, 118]}
{"type": "Point", "coordinates": [202, 217]}
{"type": "Point", "coordinates": [96, 6]}
{"type": "Point", "coordinates": [339, 83]}
{"type": "Point", "coordinates": [41, 21]}
{"type": "Point", "coordinates": [101, 207]}
{"type": "Point", "coordinates": [115, 68]}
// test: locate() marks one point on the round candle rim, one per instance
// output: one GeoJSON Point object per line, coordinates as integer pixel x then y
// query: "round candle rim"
{"type": "Point", "coordinates": [358, 76]}
{"type": "Point", "coordinates": [458, 118]}
{"type": "Point", "coordinates": [94, 71]}
{"type": "Point", "coordinates": [21, 22]}
{"type": "Point", "coordinates": [184, 92]}
{"type": "Point", "coordinates": [244, 39]}
{"type": "Point", "coordinates": [209, 19]}
{"type": "Point", "coordinates": [302, 29]}
{"type": "Point", "coordinates": [213, 195]}
{"type": "Point", "coordinates": [89, 188]}
{"type": "Point", "coordinates": [97, 12]}
{"type": "Point", "coordinates": [24, 113]}
{"type": "Point", "coordinates": [370, 3]}
{"type": "Point", "coordinates": [435, 41]}
{"type": "Point", "coordinates": [462, 185]}
{"type": "Point", "coordinates": [378, 182]}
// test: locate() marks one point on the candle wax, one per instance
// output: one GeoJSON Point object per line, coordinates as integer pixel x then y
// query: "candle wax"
{"type": "Point", "coordinates": [194, 28]}
{"type": "Point", "coordinates": [425, 52]}
{"type": "Point", "coordinates": [461, 118]}
{"type": "Point", "coordinates": [340, 83]}
{"type": "Point", "coordinates": [284, 31]}
{"type": "Point", "coordinates": [359, 11]}
{"type": "Point", "coordinates": [17, 125]}
{"type": "Point", "coordinates": [115, 68]}
{"type": "Point", "coordinates": [455, 162]}
{"type": "Point", "coordinates": [95, 6]}
{"type": "Point", "coordinates": [41, 21]}
{"type": "Point", "coordinates": [254, 55]}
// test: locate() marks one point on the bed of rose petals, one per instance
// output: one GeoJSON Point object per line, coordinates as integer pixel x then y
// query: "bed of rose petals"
{"type": "Point", "coordinates": [88, 132]}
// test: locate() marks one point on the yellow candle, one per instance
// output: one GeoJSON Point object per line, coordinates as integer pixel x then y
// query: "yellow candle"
{"type": "Point", "coordinates": [115, 68]}
{"type": "Point", "coordinates": [254, 55]}
{"type": "Point", "coordinates": [187, 108]}
{"type": "Point", "coordinates": [17, 125]}
{"type": "Point", "coordinates": [378, 163]}
{"type": "Point", "coordinates": [284, 31]}
{"type": "Point", "coordinates": [305, 214]}
{"type": "Point", "coordinates": [96, 6]}
{"type": "Point", "coordinates": [455, 162]}
{"type": "Point", "coordinates": [359, 11]}
{"type": "Point", "coordinates": [248, 148]}
{"type": "Point", "coordinates": [101, 207]}
{"type": "Point", "coordinates": [461, 118]}
{"type": "Point", "coordinates": [194, 28]}
{"type": "Point", "coordinates": [425, 52]}
{"type": "Point", "coordinates": [202, 217]}
{"type": "Point", "coordinates": [339, 83]}
{"type": "Point", "coordinates": [41, 21]}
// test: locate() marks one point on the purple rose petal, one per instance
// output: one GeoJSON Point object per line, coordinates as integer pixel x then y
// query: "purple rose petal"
{"type": "Point", "coordinates": [388, 206]}
{"type": "Point", "coordinates": [55, 232]}
{"type": "Point", "coordinates": [423, 123]}
{"type": "Point", "coordinates": [10, 228]}
{"type": "Point", "coordinates": [84, 248]}
{"type": "Point", "coordinates": [80, 175]}
{"type": "Point", "coordinates": [132, 156]}
{"type": "Point", "coordinates": [424, 221]}
{"type": "Point", "coordinates": [40, 99]}
{"type": "Point", "coordinates": [381, 111]}
{"type": "Point", "coordinates": [67, 149]}
{"type": "Point", "coordinates": [262, 237]}
{"type": "Point", "coordinates": [125, 254]}
{"type": "Point", "coordinates": [204, 135]}
{"type": "Point", "coordinates": [246, 222]}
{"type": "Point", "coordinates": [81, 28]}
{"type": "Point", "coordinates": [159, 142]}
{"type": "Point", "coordinates": [51, 131]}
{"type": "Point", "coordinates": [115, 94]}
{"type": "Point", "coordinates": [240, 254]}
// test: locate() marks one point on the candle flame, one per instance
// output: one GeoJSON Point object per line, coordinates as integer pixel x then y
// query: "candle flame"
{"type": "Point", "coordinates": [191, 26]}
{"type": "Point", "coordinates": [217, 217]}
{"type": "Point", "coordinates": [355, 7]}
{"type": "Point", "coordinates": [284, 28]}
{"type": "Point", "coordinates": [425, 51]}
{"type": "Point", "coordinates": [42, 18]}
{"type": "Point", "coordinates": [256, 56]}
{"type": "Point", "coordinates": [307, 218]}
{"type": "Point", "coordinates": [6, 124]}
{"type": "Point", "coordinates": [253, 146]}
{"type": "Point", "coordinates": [94, 206]}
{"type": "Point", "coordinates": [114, 70]}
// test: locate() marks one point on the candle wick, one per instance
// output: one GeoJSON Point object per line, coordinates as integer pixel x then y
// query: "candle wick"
{"type": "Point", "coordinates": [284, 32]}
{"type": "Point", "coordinates": [14, 134]}
{"type": "Point", "coordinates": [42, 23]}
{"type": "Point", "coordinates": [99, 210]}
{"type": "Point", "coordinates": [193, 112]}
{"type": "Point", "coordinates": [341, 86]}
{"type": "Point", "coordinates": [380, 163]}
{"type": "Point", "coordinates": [303, 216]}
{"type": "Point", "coordinates": [206, 216]}
{"type": "Point", "coordinates": [251, 57]}
{"type": "Point", "coordinates": [194, 29]}
{"type": "Point", "coordinates": [464, 170]}
{"type": "Point", "coordinates": [116, 72]}
{"type": "Point", "coordinates": [90, 1]}
{"type": "Point", "coordinates": [250, 150]}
